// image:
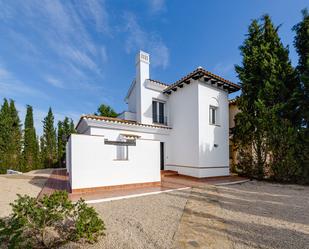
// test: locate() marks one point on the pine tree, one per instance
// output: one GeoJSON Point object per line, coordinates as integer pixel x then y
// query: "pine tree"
{"type": "Point", "coordinates": [106, 111]}
{"type": "Point", "coordinates": [31, 146]}
{"type": "Point", "coordinates": [49, 141]}
{"type": "Point", "coordinates": [269, 87]}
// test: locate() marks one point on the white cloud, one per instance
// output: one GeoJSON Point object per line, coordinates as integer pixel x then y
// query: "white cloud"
{"type": "Point", "coordinates": [139, 39]}
{"type": "Point", "coordinates": [157, 5]}
{"type": "Point", "coordinates": [11, 86]}
{"type": "Point", "coordinates": [54, 82]}
{"type": "Point", "coordinates": [96, 12]}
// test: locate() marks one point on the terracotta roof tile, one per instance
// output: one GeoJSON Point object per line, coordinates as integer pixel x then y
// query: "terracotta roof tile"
{"type": "Point", "coordinates": [202, 71]}
{"type": "Point", "coordinates": [122, 121]}
{"type": "Point", "coordinates": [159, 82]}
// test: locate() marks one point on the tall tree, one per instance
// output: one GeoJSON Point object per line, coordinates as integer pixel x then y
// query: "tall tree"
{"type": "Point", "coordinates": [269, 85]}
{"type": "Point", "coordinates": [4, 135]}
{"type": "Point", "coordinates": [65, 129]}
{"type": "Point", "coordinates": [15, 138]}
{"type": "Point", "coordinates": [49, 141]}
{"type": "Point", "coordinates": [301, 43]}
{"type": "Point", "coordinates": [30, 145]}
{"type": "Point", "coordinates": [106, 111]}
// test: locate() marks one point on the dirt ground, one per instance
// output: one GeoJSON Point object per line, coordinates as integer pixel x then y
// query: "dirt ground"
{"type": "Point", "coordinates": [29, 183]}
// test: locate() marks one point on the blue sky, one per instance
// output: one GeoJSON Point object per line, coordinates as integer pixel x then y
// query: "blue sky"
{"type": "Point", "coordinates": [75, 55]}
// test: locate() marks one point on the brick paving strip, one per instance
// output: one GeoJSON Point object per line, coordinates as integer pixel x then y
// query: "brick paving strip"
{"type": "Point", "coordinates": [57, 180]}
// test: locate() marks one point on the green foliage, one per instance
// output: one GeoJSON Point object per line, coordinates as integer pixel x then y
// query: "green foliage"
{"type": "Point", "coordinates": [31, 145]}
{"type": "Point", "coordinates": [10, 137]}
{"type": "Point", "coordinates": [301, 43]}
{"type": "Point", "coordinates": [106, 111]}
{"type": "Point", "coordinates": [65, 129]}
{"type": "Point", "coordinates": [266, 131]}
{"type": "Point", "coordinates": [49, 222]}
{"type": "Point", "coordinates": [49, 141]}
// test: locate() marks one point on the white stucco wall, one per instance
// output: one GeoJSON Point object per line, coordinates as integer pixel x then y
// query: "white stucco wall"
{"type": "Point", "coordinates": [215, 158]}
{"type": "Point", "coordinates": [93, 163]}
{"type": "Point", "coordinates": [192, 138]}
{"type": "Point", "coordinates": [132, 100]}
{"type": "Point", "coordinates": [183, 137]}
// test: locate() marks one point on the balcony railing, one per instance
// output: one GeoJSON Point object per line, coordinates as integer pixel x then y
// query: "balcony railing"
{"type": "Point", "coordinates": [159, 119]}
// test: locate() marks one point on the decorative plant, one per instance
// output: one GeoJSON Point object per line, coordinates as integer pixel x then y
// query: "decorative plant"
{"type": "Point", "coordinates": [49, 222]}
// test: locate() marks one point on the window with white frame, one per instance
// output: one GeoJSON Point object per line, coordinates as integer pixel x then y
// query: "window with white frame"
{"type": "Point", "coordinates": [158, 112]}
{"type": "Point", "coordinates": [213, 115]}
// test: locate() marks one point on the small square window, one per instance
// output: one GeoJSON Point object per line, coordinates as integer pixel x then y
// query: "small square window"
{"type": "Point", "coordinates": [213, 119]}
{"type": "Point", "coordinates": [122, 152]}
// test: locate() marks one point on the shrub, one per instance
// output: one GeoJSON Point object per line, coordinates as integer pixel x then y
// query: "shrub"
{"type": "Point", "coordinates": [49, 222]}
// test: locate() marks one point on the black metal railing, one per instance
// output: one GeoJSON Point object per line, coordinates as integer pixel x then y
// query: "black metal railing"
{"type": "Point", "coordinates": [159, 119]}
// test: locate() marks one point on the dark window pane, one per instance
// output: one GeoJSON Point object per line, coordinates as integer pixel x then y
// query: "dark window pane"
{"type": "Point", "coordinates": [161, 113]}
{"type": "Point", "coordinates": [213, 115]}
{"type": "Point", "coordinates": [154, 112]}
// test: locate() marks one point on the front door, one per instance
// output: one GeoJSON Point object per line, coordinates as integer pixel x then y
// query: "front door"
{"type": "Point", "coordinates": [162, 155]}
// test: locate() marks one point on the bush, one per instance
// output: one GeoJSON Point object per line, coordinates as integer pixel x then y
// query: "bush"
{"type": "Point", "coordinates": [49, 222]}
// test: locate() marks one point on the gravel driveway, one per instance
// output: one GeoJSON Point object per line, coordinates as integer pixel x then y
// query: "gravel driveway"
{"type": "Point", "coordinates": [249, 215]}
{"type": "Point", "coordinates": [148, 222]}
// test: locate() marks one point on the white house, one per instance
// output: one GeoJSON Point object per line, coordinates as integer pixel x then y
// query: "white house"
{"type": "Point", "coordinates": [182, 127]}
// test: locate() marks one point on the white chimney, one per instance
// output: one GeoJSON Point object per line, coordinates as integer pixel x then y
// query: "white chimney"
{"type": "Point", "coordinates": [142, 74]}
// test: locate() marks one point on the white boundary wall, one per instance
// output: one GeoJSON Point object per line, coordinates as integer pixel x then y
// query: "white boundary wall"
{"type": "Point", "coordinates": [91, 163]}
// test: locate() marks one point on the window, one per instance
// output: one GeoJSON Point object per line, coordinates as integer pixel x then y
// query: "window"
{"type": "Point", "coordinates": [122, 152]}
{"type": "Point", "coordinates": [213, 119]}
{"type": "Point", "coordinates": [158, 112]}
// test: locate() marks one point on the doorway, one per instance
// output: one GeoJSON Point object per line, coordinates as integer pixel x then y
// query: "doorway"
{"type": "Point", "coordinates": [161, 155]}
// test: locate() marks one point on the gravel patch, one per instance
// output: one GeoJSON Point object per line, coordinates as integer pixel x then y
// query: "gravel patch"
{"type": "Point", "coordinates": [29, 183]}
{"type": "Point", "coordinates": [143, 222]}
{"type": "Point", "coordinates": [249, 215]}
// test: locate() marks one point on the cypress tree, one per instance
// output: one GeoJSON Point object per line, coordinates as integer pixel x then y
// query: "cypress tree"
{"type": "Point", "coordinates": [14, 139]}
{"type": "Point", "coordinates": [4, 135]}
{"type": "Point", "coordinates": [49, 141]}
{"type": "Point", "coordinates": [30, 146]}
{"type": "Point", "coordinates": [72, 127]}
{"type": "Point", "coordinates": [269, 87]}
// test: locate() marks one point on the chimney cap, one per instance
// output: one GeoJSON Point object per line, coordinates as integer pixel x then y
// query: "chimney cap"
{"type": "Point", "coordinates": [142, 57]}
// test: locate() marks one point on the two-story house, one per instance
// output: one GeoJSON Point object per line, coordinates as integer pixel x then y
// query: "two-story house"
{"type": "Point", "coordinates": [182, 127]}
